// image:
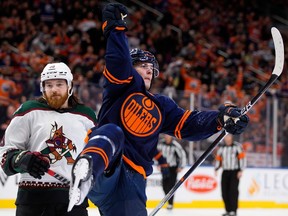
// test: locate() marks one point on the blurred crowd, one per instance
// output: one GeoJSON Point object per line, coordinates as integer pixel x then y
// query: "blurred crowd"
{"type": "Point", "coordinates": [211, 48]}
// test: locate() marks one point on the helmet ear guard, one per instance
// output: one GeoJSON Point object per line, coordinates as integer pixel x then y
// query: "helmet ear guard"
{"type": "Point", "coordinates": [70, 89]}
{"type": "Point", "coordinates": [57, 71]}
{"type": "Point", "coordinates": [138, 55]}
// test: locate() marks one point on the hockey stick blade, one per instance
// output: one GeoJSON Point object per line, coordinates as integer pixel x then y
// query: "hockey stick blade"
{"type": "Point", "coordinates": [279, 51]}
{"type": "Point", "coordinates": [58, 177]}
{"type": "Point", "coordinates": [278, 68]}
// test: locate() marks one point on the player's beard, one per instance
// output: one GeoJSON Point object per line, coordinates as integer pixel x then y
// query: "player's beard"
{"type": "Point", "coordinates": [56, 102]}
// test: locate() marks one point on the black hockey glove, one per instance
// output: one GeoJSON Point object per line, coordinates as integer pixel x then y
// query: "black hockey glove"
{"type": "Point", "coordinates": [113, 16]}
{"type": "Point", "coordinates": [231, 120]}
{"type": "Point", "coordinates": [34, 163]}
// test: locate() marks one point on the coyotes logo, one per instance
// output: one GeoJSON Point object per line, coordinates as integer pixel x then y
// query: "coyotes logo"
{"type": "Point", "coordinates": [59, 146]}
{"type": "Point", "coordinates": [140, 115]}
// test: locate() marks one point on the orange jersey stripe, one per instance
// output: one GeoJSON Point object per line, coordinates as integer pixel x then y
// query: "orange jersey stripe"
{"type": "Point", "coordinates": [241, 155]}
{"type": "Point", "coordinates": [137, 168]}
{"type": "Point", "coordinates": [99, 151]}
{"type": "Point", "coordinates": [114, 80]}
{"type": "Point", "coordinates": [120, 28]}
{"type": "Point", "coordinates": [104, 25]}
{"type": "Point", "coordinates": [218, 158]}
{"type": "Point", "coordinates": [158, 156]}
{"type": "Point", "coordinates": [180, 124]}
{"type": "Point", "coordinates": [86, 140]}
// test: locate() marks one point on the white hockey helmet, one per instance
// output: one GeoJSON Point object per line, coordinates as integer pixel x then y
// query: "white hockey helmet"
{"type": "Point", "coordinates": [57, 70]}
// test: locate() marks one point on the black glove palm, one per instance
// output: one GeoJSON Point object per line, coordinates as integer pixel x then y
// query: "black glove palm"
{"type": "Point", "coordinates": [230, 118]}
{"type": "Point", "coordinates": [113, 18]}
{"type": "Point", "coordinates": [33, 163]}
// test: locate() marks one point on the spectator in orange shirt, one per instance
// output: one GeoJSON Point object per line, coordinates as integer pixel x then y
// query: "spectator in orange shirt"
{"type": "Point", "coordinates": [7, 90]}
{"type": "Point", "coordinates": [192, 84]}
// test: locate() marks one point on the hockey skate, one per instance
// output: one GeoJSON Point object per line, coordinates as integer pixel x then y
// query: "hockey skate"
{"type": "Point", "coordinates": [82, 180]}
{"type": "Point", "coordinates": [229, 214]}
{"type": "Point", "coordinates": [169, 207]}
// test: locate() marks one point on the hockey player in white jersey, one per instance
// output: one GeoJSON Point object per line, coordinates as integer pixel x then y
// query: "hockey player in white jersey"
{"type": "Point", "coordinates": [47, 133]}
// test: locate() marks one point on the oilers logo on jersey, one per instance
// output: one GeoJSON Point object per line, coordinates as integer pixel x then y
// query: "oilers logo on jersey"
{"type": "Point", "coordinates": [140, 115]}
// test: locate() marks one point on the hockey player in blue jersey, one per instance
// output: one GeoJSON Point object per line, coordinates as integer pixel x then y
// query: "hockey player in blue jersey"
{"type": "Point", "coordinates": [113, 167]}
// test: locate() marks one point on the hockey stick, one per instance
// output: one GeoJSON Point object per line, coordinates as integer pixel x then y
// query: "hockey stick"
{"type": "Point", "coordinates": [278, 68]}
{"type": "Point", "coordinates": [58, 177]}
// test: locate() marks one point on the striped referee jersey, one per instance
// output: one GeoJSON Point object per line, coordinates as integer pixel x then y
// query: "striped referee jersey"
{"type": "Point", "coordinates": [230, 157]}
{"type": "Point", "coordinates": [174, 153]}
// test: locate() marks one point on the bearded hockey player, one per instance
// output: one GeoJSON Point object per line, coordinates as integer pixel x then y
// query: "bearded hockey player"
{"type": "Point", "coordinates": [47, 133]}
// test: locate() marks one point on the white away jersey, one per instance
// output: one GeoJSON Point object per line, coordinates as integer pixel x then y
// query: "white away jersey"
{"type": "Point", "coordinates": [60, 135]}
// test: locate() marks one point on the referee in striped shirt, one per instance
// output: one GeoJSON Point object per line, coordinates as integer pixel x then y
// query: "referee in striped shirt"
{"type": "Point", "coordinates": [232, 160]}
{"type": "Point", "coordinates": [176, 159]}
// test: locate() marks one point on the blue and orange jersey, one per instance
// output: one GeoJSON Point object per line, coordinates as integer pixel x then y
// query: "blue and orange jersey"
{"type": "Point", "coordinates": [142, 115]}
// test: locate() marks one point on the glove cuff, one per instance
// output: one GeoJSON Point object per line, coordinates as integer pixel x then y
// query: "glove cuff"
{"type": "Point", "coordinates": [220, 121]}
{"type": "Point", "coordinates": [118, 25]}
{"type": "Point", "coordinates": [7, 162]}
{"type": "Point", "coordinates": [17, 161]}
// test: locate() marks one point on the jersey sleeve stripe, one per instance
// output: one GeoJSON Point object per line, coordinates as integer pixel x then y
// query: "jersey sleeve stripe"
{"type": "Point", "coordinates": [218, 158]}
{"type": "Point", "coordinates": [114, 80]}
{"type": "Point", "coordinates": [180, 124]}
{"type": "Point", "coordinates": [241, 155]}
{"type": "Point", "coordinates": [158, 156]}
{"type": "Point", "coordinates": [120, 28]}
{"type": "Point", "coordinates": [98, 151]}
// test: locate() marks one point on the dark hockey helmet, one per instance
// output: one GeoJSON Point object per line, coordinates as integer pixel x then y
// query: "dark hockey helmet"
{"type": "Point", "coordinates": [138, 55]}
